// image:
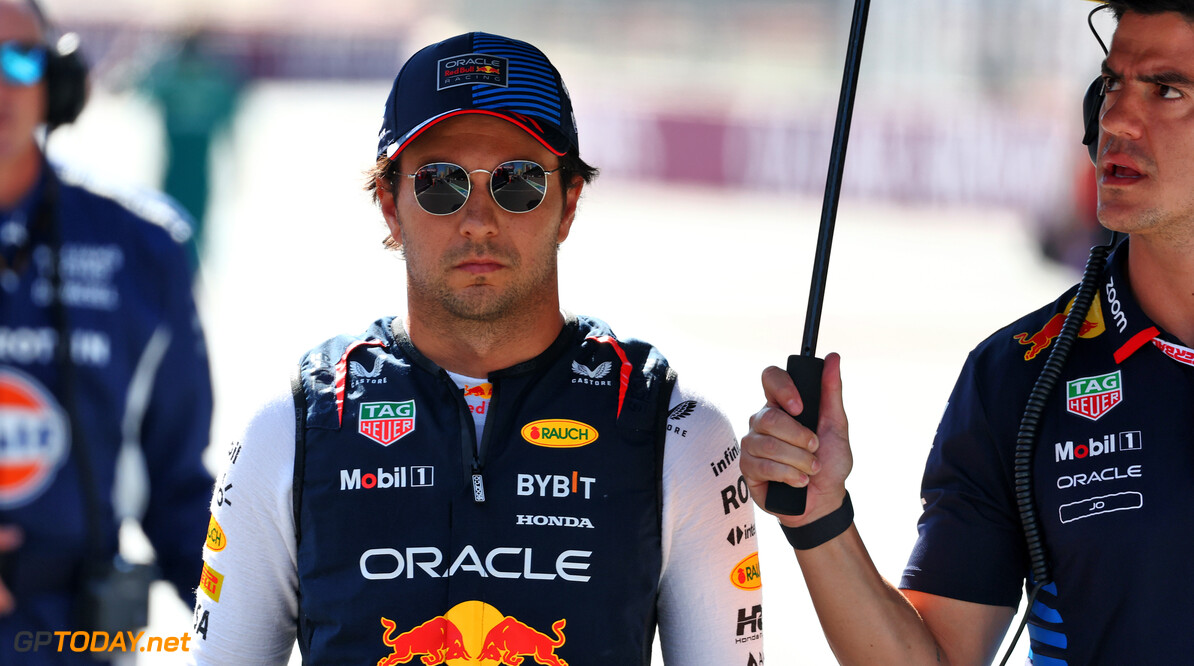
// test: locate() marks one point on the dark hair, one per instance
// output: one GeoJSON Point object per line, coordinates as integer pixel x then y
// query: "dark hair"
{"type": "Point", "coordinates": [570, 165]}
{"type": "Point", "coordinates": [1183, 7]}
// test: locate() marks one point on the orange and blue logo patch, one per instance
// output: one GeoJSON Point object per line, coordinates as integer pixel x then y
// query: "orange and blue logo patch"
{"type": "Point", "coordinates": [34, 442]}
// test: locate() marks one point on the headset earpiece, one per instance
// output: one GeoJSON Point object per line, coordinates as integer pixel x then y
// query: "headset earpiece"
{"type": "Point", "coordinates": [66, 74]}
{"type": "Point", "coordinates": [1092, 105]}
{"type": "Point", "coordinates": [66, 81]}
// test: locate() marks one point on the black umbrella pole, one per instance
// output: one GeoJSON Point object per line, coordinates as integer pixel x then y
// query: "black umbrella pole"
{"type": "Point", "coordinates": [805, 369]}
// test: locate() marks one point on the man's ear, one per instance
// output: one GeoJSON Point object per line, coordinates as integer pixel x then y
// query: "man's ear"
{"type": "Point", "coordinates": [389, 210]}
{"type": "Point", "coordinates": [571, 198]}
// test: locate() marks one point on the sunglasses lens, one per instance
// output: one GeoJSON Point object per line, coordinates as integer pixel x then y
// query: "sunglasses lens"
{"type": "Point", "coordinates": [518, 186]}
{"type": "Point", "coordinates": [22, 65]}
{"type": "Point", "coordinates": [441, 188]}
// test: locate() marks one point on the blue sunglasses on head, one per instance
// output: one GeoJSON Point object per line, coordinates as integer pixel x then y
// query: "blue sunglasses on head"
{"type": "Point", "coordinates": [22, 64]}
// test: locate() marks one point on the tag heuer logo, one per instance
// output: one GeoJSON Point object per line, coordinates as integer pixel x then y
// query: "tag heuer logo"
{"type": "Point", "coordinates": [1093, 397]}
{"type": "Point", "coordinates": [387, 422]}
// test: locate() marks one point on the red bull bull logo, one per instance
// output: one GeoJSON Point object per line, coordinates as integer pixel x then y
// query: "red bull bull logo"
{"type": "Point", "coordinates": [483, 391]}
{"type": "Point", "coordinates": [477, 397]}
{"type": "Point", "coordinates": [33, 438]}
{"type": "Point", "coordinates": [473, 632]}
{"type": "Point", "coordinates": [510, 640]}
{"type": "Point", "coordinates": [437, 640]}
{"type": "Point", "coordinates": [1038, 342]}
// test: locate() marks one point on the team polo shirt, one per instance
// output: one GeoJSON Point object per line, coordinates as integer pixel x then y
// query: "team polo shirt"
{"type": "Point", "coordinates": [1113, 476]}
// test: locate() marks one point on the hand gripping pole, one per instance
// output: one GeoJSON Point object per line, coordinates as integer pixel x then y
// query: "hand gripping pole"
{"type": "Point", "coordinates": [805, 369]}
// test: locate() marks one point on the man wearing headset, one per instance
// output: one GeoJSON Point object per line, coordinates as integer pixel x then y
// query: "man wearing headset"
{"type": "Point", "coordinates": [1112, 471]}
{"type": "Point", "coordinates": [487, 478]}
{"type": "Point", "coordinates": [100, 349]}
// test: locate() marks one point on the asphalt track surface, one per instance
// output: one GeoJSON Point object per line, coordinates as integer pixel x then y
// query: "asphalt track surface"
{"type": "Point", "coordinates": [718, 280]}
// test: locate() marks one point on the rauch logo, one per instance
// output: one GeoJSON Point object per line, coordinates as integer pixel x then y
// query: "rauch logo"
{"type": "Point", "coordinates": [387, 422]}
{"type": "Point", "coordinates": [745, 575]}
{"type": "Point", "coordinates": [559, 433]}
{"type": "Point", "coordinates": [216, 539]}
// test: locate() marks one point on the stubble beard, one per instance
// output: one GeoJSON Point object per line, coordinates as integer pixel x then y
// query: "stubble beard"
{"type": "Point", "coordinates": [1170, 227]}
{"type": "Point", "coordinates": [482, 302]}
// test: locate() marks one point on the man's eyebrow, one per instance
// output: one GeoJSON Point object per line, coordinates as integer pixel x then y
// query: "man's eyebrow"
{"type": "Point", "coordinates": [1167, 78]}
{"type": "Point", "coordinates": [1170, 78]}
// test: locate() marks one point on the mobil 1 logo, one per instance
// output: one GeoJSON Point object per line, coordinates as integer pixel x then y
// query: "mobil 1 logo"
{"type": "Point", "coordinates": [415, 476]}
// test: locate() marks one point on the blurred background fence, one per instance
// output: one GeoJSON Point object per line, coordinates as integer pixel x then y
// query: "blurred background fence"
{"type": "Point", "coordinates": [960, 101]}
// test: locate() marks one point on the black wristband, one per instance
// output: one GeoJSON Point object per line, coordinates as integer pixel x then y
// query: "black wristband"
{"type": "Point", "coordinates": [822, 529]}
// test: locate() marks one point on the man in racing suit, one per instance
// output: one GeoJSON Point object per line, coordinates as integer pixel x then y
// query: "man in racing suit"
{"type": "Point", "coordinates": [1111, 467]}
{"type": "Point", "coordinates": [487, 479]}
{"type": "Point", "coordinates": [100, 353]}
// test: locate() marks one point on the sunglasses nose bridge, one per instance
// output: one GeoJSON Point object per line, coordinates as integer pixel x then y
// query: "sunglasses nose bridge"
{"type": "Point", "coordinates": [484, 181]}
{"type": "Point", "coordinates": [479, 214]}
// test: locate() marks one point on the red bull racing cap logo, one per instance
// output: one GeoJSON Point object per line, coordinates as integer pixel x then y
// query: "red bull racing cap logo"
{"type": "Point", "coordinates": [472, 632]}
{"type": "Point", "coordinates": [33, 438]}
{"type": "Point", "coordinates": [470, 68]}
{"type": "Point", "coordinates": [387, 422]}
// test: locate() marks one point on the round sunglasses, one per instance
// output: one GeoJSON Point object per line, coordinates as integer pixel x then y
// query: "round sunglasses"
{"type": "Point", "coordinates": [518, 186]}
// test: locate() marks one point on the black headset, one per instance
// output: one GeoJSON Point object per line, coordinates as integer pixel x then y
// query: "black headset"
{"type": "Point", "coordinates": [66, 74]}
{"type": "Point", "coordinates": [1092, 103]}
{"type": "Point", "coordinates": [1050, 374]}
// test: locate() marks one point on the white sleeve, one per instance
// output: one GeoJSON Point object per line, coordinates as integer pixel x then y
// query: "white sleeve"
{"type": "Point", "coordinates": [710, 601]}
{"type": "Point", "coordinates": [247, 602]}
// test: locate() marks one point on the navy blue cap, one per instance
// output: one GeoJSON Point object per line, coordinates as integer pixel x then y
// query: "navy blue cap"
{"type": "Point", "coordinates": [478, 73]}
